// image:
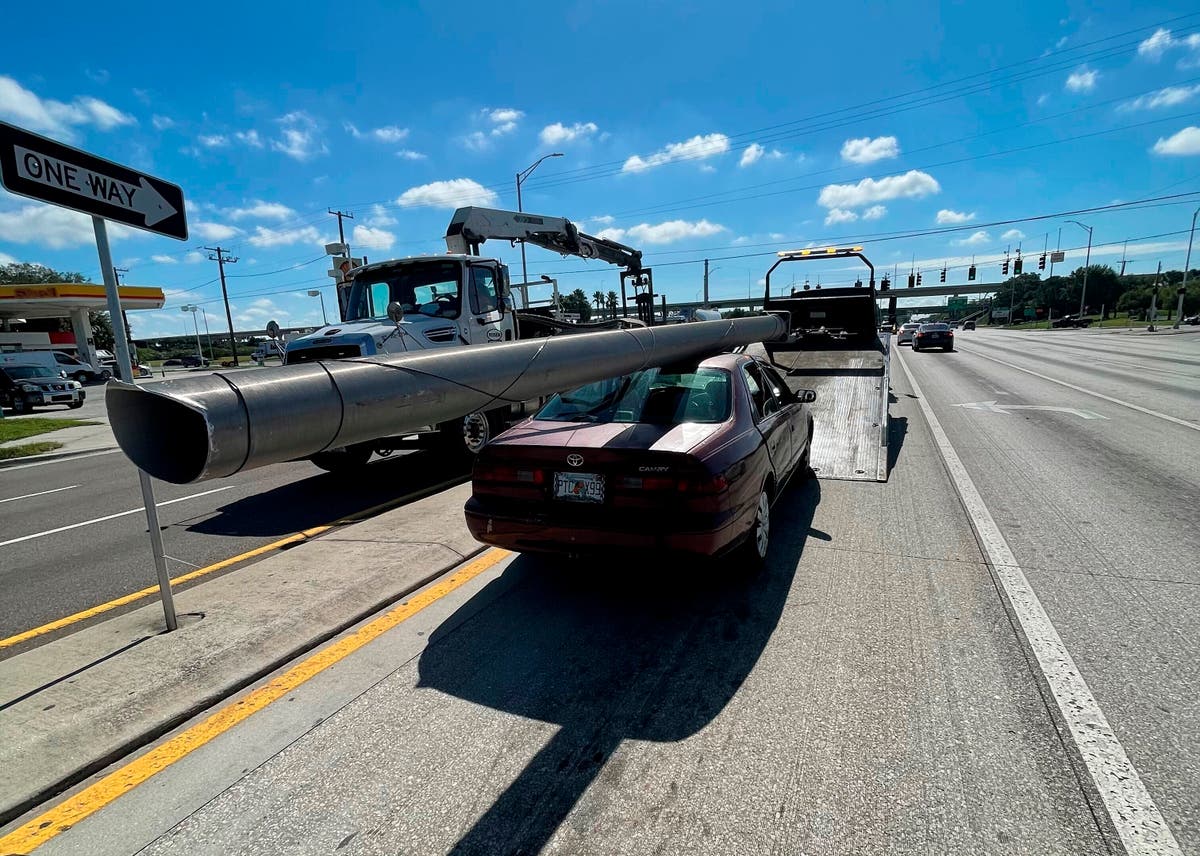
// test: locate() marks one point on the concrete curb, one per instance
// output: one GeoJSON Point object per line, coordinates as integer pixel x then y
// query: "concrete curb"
{"type": "Point", "coordinates": [54, 456]}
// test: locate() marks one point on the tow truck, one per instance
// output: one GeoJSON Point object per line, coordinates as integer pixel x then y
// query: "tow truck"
{"type": "Point", "coordinates": [838, 348]}
{"type": "Point", "coordinates": [461, 299]}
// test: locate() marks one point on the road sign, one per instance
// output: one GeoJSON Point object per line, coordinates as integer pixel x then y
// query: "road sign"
{"type": "Point", "coordinates": [42, 169]}
{"type": "Point", "coordinates": [1057, 256]}
{"type": "Point", "coordinates": [956, 305]}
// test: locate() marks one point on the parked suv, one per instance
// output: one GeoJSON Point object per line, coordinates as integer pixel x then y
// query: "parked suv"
{"type": "Point", "coordinates": [23, 388]}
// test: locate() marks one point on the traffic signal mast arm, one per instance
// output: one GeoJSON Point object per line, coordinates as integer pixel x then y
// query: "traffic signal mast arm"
{"type": "Point", "coordinates": [471, 226]}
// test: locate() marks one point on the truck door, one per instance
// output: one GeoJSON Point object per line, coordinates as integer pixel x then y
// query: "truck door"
{"type": "Point", "coordinates": [772, 421]}
{"type": "Point", "coordinates": [487, 321]}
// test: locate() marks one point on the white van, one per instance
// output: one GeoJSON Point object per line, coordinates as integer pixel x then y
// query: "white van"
{"type": "Point", "coordinates": [56, 361]}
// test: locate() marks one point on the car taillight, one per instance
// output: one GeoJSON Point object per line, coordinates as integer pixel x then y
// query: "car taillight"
{"type": "Point", "coordinates": [690, 485]}
{"type": "Point", "coordinates": [509, 475]}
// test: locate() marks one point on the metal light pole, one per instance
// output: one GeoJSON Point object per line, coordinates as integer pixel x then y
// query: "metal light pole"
{"type": "Point", "coordinates": [521, 176]}
{"type": "Point", "coordinates": [192, 307]}
{"type": "Point", "coordinates": [324, 317]}
{"type": "Point", "coordinates": [1187, 264]}
{"type": "Point", "coordinates": [1086, 264]}
{"type": "Point", "coordinates": [207, 334]}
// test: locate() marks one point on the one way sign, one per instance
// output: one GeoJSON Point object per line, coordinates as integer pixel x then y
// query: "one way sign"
{"type": "Point", "coordinates": [34, 166]}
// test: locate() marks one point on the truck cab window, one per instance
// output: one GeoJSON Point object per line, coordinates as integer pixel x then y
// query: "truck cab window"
{"type": "Point", "coordinates": [483, 291]}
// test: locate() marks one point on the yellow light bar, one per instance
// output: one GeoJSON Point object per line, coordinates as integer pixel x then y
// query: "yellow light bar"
{"type": "Point", "coordinates": [826, 251]}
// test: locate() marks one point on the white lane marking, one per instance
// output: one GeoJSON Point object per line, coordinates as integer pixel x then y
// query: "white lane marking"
{"type": "Point", "coordinates": [39, 493]}
{"type": "Point", "coordinates": [112, 516]}
{"type": "Point", "coordinates": [993, 407]}
{"type": "Point", "coordinates": [1131, 809]}
{"type": "Point", "coordinates": [65, 460]}
{"type": "Point", "coordinates": [1193, 425]}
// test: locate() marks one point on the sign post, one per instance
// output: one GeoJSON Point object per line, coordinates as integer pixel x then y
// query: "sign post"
{"type": "Point", "coordinates": [43, 169]}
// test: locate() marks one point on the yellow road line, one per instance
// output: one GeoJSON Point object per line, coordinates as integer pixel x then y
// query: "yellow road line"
{"type": "Point", "coordinates": [87, 802]}
{"type": "Point", "coordinates": [60, 623]}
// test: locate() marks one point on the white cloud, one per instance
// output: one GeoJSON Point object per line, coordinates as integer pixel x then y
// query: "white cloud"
{"type": "Point", "coordinates": [164, 260]}
{"type": "Point", "coordinates": [699, 147]}
{"type": "Point", "coordinates": [214, 231]}
{"type": "Point", "coordinates": [260, 210]}
{"type": "Point", "coordinates": [380, 216]}
{"type": "Point", "coordinates": [249, 138]}
{"type": "Point", "coordinates": [1042, 99]}
{"type": "Point", "coordinates": [265, 236]}
{"type": "Point", "coordinates": [1167, 97]}
{"type": "Point", "coordinates": [300, 137]}
{"type": "Point", "coordinates": [875, 212]}
{"type": "Point", "coordinates": [1184, 142]}
{"type": "Point", "coordinates": [369, 238]}
{"type": "Point", "coordinates": [602, 220]}
{"type": "Point", "coordinates": [975, 240]}
{"type": "Point", "coordinates": [51, 226]}
{"type": "Point", "coordinates": [663, 233]}
{"type": "Point", "coordinates": [1082, 79]}
{"type": "Point", "coordinates": [503, 119]}
{"type": "Point", "coordinates": [213, 141]}
{"type": "Point", "coordinates": [839, 215]}
{"type": "Point", "coordinates": [390, 134]}
{"type": "Point", "coordinates": [1012, 235]}
{"type": "Point", "coordinates": [409, 154]}
{"type": "Point", "coordinates": [452, 193]}
{"type": "Point", "coordinates": [27, 109]}
{"type": "Point", "coordinates": [161, 123]}
{"type": "Point", "coordinates": [1154, 47]}
{"type": "Point", "coordinates": [868, 150]}
{"type": "Point", "coordinates": [750, 154]}
{"type": "Point", "coordinates": [476, 141]}
{"type": "Point", "coordinates": [947, 217]}
{"type": "Point", "coordinates": [911, 185]}
{"type": "Point", "coordinates": [1061, 43]}
{"type": "Point", "coordinates": [194, 257]}
{"type": "Point", "coordinates": [552, 135]}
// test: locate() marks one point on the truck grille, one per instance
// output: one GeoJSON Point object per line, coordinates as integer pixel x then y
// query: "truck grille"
{"type": "Point", "coordinates": [328, 352]}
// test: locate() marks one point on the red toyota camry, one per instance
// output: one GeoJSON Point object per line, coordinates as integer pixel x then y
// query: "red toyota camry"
{"type": "Point", "coordinates": [684, 458]}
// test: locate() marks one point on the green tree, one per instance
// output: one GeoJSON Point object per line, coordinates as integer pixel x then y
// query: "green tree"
{"type": "Point", "coordinates": [1103, 288]}
{"type": "Point", "coordinates": [598, 299]}
{"type": "Point", "coordinates": [18, 273]}
{"type": "Point", "coordinates": [102, 331]}
{"type": "Point", "coordinates": [577, 301]}
{"type": "Point", "coordinates": [610, 300]}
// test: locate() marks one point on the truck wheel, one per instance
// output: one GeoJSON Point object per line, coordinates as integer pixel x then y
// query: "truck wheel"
{"type": "Point", "coordinates": [467, 436]}
{"type": "Point", "coordinates": [343, 460]}
{"type": "Point", "coordinates": [75, 405]}
{"type": "Point", "coordinates": [82, 377]}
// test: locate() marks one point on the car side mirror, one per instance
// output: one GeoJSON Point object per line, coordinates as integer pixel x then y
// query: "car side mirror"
{"type": "Point", "coordinates": [808, 396]}
{"type": "Point", "coordinates": [395, 312]}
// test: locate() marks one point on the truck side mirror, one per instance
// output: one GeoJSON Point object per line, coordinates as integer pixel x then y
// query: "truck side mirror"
{"type": "Point", "coordinates": [395, 312]}
{"type": "Point", "coordinates": [808, 396]}
{"type": "Point", "coordinates": [505, 305]}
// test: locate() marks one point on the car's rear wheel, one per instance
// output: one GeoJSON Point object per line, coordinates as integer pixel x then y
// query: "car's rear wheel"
{"type": "Point", "coordinates": [20, 405]}
{"type": "Point", "coordinates": [753, 551]}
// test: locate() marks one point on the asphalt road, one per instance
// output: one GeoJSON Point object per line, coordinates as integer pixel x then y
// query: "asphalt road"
{"type": "Point", "coordinates": [46, 574]}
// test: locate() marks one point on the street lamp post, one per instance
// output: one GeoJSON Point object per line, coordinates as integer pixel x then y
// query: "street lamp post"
{"type": "Point", "coordinates": [1086, 264]}
{"type": "Point", "coordinates": [324, 317]}
{"type": "Point", "coordinates": [1187, 264]}
{"type": "Point", "coordinates": [193, 308]}
{"type": "Point", "coordinates": [521, 176]}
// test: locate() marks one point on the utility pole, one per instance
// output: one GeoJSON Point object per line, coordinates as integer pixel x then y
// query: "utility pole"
{"type": "Point", "coordinates": [1154, 298]}
{"type": "Point", "coordinates": [1187, 264]}
{"type": "Point", "coordinates": [521, 176]}
{"type": "Point", "coordinates": [706, 282]}
{"type": "Point", "coordinates": [221, 257]}
{"type": "Point", "coordinates": [341, 230]}
{"type": "Point", "coordinates": [124, 316]}
{"type": "Point", "coordinates": [1086, 264]}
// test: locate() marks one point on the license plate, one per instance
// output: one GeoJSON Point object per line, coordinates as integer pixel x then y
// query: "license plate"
{"type": "Point", "coordinates": [579, 487]}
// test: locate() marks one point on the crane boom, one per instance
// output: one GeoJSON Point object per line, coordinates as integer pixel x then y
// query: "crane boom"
{"type": "Point", "coordinates": [471, 226]}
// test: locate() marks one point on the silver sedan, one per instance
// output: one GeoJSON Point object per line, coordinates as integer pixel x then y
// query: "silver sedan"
{"type": "Point", "coordinates": [905, 336]}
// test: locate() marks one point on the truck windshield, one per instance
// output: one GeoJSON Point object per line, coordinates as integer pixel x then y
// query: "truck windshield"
{"type": "Point", "coordinates": [653, 397]}
{"type": "Point", "coordinates": [432, 288]}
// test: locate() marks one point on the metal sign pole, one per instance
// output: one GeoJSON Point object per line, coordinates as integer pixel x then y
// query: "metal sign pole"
{"type": "Point", "coordinates": [125, 367]}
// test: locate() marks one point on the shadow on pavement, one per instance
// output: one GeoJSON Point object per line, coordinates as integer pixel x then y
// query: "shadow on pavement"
{"type": "Point", "coordinates": [608, 653]}
{"type": "Point", "coordinates": [327, 497]}
{"type": "Point", "coordinates": [897, 431]}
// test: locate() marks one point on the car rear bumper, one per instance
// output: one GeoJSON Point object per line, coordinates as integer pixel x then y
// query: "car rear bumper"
{"type": "Point", "coordinates": [539, 532]}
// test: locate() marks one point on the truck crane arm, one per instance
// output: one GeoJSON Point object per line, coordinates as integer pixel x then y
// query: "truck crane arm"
{"type": "Point", "coordinates": [471, 226]}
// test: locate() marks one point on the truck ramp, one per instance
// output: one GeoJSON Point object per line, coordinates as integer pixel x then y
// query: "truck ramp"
{"type": "Point", "coordinates": [850, 415]}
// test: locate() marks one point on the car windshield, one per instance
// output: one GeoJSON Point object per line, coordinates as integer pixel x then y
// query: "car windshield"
{"type": "Point", "coordinates": [28, 372]}
{"type": "Point", "coordinates": [934, 328]}
{"type": "Point", "coordinates": [430, 288]}
{"type": "Point", "coordinates": [653, 396]}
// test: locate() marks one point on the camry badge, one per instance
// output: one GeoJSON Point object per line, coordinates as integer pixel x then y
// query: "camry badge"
{"type": "Point", "coordinates": [575, 460]}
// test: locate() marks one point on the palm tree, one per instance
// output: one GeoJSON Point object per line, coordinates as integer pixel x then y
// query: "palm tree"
{"type": "Point", "coordinates": [598, 299]}
{"type": "Point", "coordinates": [611, 302]}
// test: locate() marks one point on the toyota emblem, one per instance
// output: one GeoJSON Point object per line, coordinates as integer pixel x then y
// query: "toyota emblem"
{"type": "Point", "coordinates": [575, 460]}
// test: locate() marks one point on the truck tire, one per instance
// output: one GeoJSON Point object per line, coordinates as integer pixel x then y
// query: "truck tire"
{"type": "Point", "coordinates": [346, 459]}
{"type": "Point", "coordinates": [467, 436]}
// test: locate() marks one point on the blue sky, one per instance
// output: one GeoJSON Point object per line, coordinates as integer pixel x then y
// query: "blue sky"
{"type": "Point", "coordinates": [689, 131]}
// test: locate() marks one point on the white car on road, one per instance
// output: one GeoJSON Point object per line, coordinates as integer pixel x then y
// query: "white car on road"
{"type": "Point", "coordinates": [905, 336]}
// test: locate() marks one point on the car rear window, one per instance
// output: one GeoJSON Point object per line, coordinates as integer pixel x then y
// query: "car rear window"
{"type": "Point", "coordinates": [932, 328]}
{"type": "Point", "coordinates": [653, 396]}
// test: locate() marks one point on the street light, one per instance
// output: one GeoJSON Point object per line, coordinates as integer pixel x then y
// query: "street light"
{"type": "Point", "coordinates": [1187, 264]}
{"type": "Point", "coordinates": [193, 308]}
{"type": "Point", "coordinates": [521, 176]}
{"type": "Point", "coordinates": [324, 317]}
{"type": "Point", "coordinates": [1086, 264]}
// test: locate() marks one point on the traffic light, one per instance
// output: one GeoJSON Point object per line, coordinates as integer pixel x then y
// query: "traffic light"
{"type": "Point", "coordinates": [1042, 262]}
{"type": "Point", "coordinates": [943, 274]}
{"type": "Point", "coordinates": [1004, 268]}
{"type": "Point", "coordinates": [918, 279]}
{"type": "Point", "coordinates": [1017, 266]}
{"type": "Point", "coordinates": [912, 280]}
{"type": "Point", "coordinates": [885, 285]}
{"type": "Point", "coordinates": [971, 273]}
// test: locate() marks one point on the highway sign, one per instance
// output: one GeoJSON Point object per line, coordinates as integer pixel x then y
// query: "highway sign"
{"type": "Point", "coordinates": [1057, 256]}
{"type": "Point", "coordinates": [42, 169]}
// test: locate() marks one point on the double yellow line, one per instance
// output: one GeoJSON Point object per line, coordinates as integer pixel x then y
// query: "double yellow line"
{"type": "Point", "coordinates": [92, 799]}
